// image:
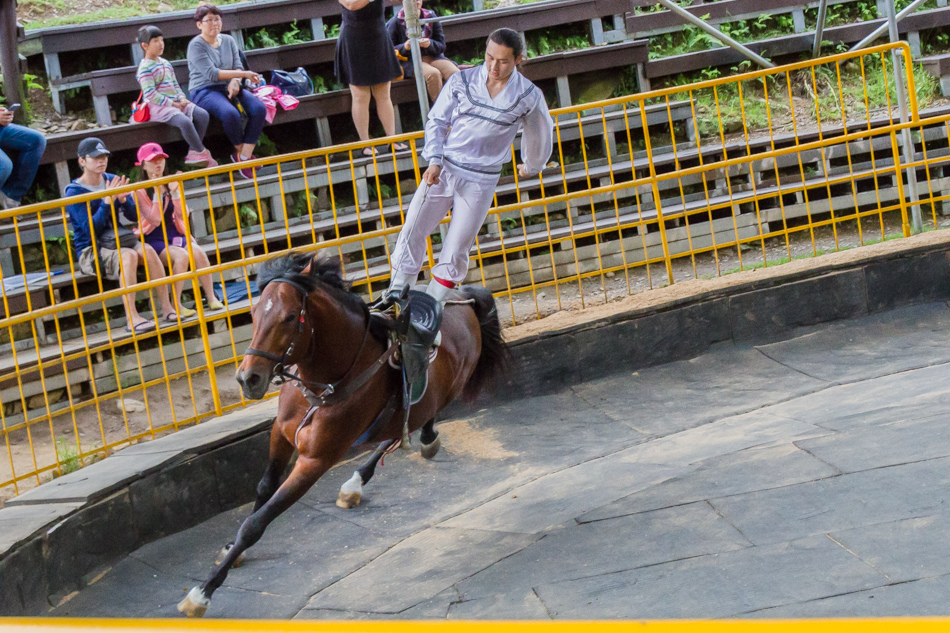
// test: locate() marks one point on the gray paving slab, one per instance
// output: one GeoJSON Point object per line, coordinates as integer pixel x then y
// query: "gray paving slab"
{"type": "Point", "coordinates": [18, 523]}
{"type": "Point", "coordinates": [418, 568]}
{"type": "Point", "coordinates": [682, 395]}
{"type": "Point", "coordinates": [920, 598]}
{"type": "Point", "coordinates": [482, 456]}
{"type": "Point", "coordinates": [905, 550]}
{"type": "Point", "coordinates": [757, 468]}
{"type": "Point", "coordinates": [903, 396]}
{"type": "Point", "coordinates": [524, 605]}
{"type": "Point", "coordinates": [715, 586]}
{"type": "Point", "coordinates": [899, 442]}
{"type": "Point", "coordinates": [577, 551]}
{"type": "Point", "coordinates": [915, 336]}
{"type": "Point", "coordinates": [839, 503]}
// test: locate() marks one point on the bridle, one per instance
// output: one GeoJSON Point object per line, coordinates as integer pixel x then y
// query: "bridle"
{"type": "Point", "coordinates": [328, 393]}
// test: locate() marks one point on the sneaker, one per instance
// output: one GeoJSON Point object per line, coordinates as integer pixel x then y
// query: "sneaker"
{"type": "Point", "coordinates": [248, 172]}
{"type": "Point", "coordinates": [215, 305]}
{"type": "Point", "coordinates": [6, 202]}
{"type": "Point", "coordinates": [200, 159]}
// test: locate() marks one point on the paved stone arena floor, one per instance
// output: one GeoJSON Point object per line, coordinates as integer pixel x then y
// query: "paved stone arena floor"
{"type": "Point", "coordinates": [805, 478]}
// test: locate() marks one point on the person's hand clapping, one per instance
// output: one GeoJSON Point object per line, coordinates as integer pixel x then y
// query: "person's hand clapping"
{"type": "Point", "coordinates": [118, 181]}
{"type": "Point", "coordinates": [6, 116]}
{"type": "Point", "coordinates": [431, 175]}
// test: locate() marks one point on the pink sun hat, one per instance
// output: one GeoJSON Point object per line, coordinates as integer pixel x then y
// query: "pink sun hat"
{"type": "Point", "coordinates": [150, 151]}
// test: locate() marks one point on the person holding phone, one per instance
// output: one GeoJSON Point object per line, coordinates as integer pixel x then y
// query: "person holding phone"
{"type": "Point", "coordinates": [215, 73]}
{"type": "Point", "coordinates": [20, 151]}
{"type": "Point", "coordinates": [436, 67]}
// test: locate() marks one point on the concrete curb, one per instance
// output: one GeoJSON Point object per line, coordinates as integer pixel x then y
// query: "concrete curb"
{"type": "Point", "coordinates": [58, 537]}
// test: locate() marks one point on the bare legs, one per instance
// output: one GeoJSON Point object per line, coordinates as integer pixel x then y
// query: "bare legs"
{"type": "Point", "coordinates": [130, 262]}
{"type": "Point", "coordinates": [179, 264]}
{"type": "Point", "coordinates": [361, 96]}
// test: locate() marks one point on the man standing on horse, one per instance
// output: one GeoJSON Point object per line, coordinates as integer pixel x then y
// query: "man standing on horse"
{"type": "Point", "coordinates": [467, 141]}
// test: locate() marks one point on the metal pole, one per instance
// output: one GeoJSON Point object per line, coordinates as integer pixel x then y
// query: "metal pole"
{"type": "Point", "coordinates": [917, 224]}
{"type": "Point", "coordinates": [820, 27]}
{"type": "Point", "coordinates": [9, 57]}
{"type": "Point", "coordinates": [415, 32]}
{"type": "Point", "coordinates": [876, 33]}
{"type": "Point", "coordinates": [725, 39]}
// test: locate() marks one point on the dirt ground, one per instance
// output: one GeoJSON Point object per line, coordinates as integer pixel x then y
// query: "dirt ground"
{"type": "Point", "coordinates": [533, 314]}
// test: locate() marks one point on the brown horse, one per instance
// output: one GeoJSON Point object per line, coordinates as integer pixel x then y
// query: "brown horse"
{"type": "Point", "coordinates": [307, 316]}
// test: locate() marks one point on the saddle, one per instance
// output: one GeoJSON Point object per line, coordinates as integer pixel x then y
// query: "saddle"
{"type": "Point", "coordinates": [417, 317]}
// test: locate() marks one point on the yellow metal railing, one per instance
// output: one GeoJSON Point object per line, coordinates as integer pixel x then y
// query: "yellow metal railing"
{"type": "Point", "coordinates": [684, 182]}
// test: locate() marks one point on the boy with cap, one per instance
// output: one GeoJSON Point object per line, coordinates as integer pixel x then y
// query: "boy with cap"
{"type": "Point", "coordinates": [98, 226]}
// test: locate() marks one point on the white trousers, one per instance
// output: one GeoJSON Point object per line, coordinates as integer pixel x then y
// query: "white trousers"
{"type": "Point", "coordinates": [469, 202]}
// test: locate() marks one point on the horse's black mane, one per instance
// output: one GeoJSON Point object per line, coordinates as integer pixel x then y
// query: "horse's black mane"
{"type": "Point", "coordinates": [290, 267]}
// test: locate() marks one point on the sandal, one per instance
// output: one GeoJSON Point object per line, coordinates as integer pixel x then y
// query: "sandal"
{"type": "Point", "coordinates": [371, 150]}
{"type": "Point", "coordinates": [144, 326]}
{"type": "Point", "coordinates": [400, 147]}
{"type": "Point", "coordinates": [171, 317]}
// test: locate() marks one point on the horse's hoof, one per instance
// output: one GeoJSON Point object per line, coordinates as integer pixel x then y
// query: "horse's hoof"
{"type": "Point", "coordinates": [431, 450]}
{"type": "Point", "coordinates": [224, 552]}
{"type": "Point", "coordinates": [195, 603]}
{"type": "Point", "coordinates": [351, 492]}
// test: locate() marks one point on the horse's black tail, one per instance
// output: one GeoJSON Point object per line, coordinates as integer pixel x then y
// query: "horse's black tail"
{"type": "Point", "coordinates": [495, 355]}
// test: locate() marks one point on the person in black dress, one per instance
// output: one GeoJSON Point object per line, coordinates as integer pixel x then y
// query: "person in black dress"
{"type": "Point", "coordinates": [366, 61]}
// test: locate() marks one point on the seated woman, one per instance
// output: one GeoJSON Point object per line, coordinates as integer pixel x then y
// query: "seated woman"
{"type": "Point", "coordinates": [215, 72]}
{"type": "Point", "coordinates": [166, 100]}
{"type": "Point", "coordinates": [436, 67]}
{"type": "Point", "coordinates": [163, 207]}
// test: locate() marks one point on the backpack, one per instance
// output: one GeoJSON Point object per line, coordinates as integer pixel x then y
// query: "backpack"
{"type": "Point", "coordinates": [295, 84]}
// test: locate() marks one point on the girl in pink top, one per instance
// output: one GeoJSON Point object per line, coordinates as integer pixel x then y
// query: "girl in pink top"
{"type": "Point", "coordinates": [162, 210]}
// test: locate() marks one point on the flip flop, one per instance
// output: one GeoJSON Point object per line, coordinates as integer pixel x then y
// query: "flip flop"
{"type": "Point", "coordinates": [171, 317]}
{"type": "Point", "coordinates": [400, 147]}
{"type": "Point", "coordinates": [371, 150]}
{"type": "Point", "coordinates": [144, 326]}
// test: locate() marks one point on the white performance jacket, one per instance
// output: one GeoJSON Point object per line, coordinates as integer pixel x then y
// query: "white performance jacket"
{"type": "Point", "coordinates": [470, 134]}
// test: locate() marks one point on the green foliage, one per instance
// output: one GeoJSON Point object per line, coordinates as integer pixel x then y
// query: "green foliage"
{"type": "Point", "coordinates": [249, 216]}
{"type": "Point", "coordinates": [547, 43]}
{"type": "Point", "coordinates": [629, 83]}
{"type": "Point", "coordinates": [298, 206]}
{"type": "Point", "coordinates": [278, 35]}
{"type": "Point", "coordinates": [265, 147]}
{"type": "Point", "coordinates": [331, 30]}
{"type": "Point", "coordinates": [68, 456]}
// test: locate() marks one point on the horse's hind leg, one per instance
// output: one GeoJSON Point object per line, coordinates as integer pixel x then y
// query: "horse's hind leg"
{"type": "Point", "coordinates": [429, 438]}
{"type": "Point", "coordinates": [305, 473]}
{"type": "Point", "coordinates": [281, 451]}
{"type": "Point", "coordinates": [351, 492]}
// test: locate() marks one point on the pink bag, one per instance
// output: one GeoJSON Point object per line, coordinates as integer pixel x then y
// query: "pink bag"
{"type": "Point", "coordinates": [288, 102]}
{"type": "Point", "coordinates": [271, 96]}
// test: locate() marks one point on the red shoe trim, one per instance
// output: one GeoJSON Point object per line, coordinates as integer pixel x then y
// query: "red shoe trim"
{"type": "Point", "coordinates": [447, 284]}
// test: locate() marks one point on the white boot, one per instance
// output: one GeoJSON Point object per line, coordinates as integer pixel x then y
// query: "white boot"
{"type": "Point", "coordinates": [441, 294]}
{"type": "Point", "coordinates": [399, 280]}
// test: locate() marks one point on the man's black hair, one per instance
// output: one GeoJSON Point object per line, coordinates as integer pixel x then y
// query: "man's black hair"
{"type": "Point", "coordinates": [508, 37]}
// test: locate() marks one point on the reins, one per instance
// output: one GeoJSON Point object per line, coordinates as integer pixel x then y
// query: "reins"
{"type": "Point", "coordinates": [329, 393]}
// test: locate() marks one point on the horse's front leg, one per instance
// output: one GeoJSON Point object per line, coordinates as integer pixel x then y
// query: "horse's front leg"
{"type": "Point", "coordinates": [281, 452]}
{"type": "Point", "coordinates": [305, 473]}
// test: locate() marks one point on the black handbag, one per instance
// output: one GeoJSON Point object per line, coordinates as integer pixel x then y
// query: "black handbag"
{"type": "Point", "coordinates": [126, 239]}
{"type": "Point", "coordinates": [295, 84]}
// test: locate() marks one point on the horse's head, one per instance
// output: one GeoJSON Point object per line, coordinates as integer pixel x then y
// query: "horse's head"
{"type": "Point", "coordinates": [281, 332]}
